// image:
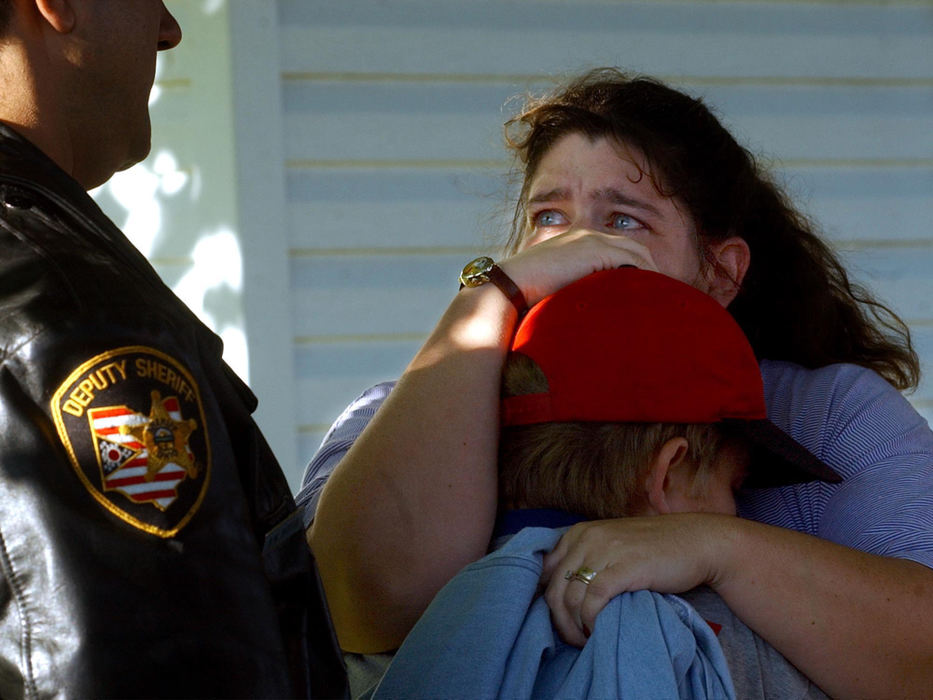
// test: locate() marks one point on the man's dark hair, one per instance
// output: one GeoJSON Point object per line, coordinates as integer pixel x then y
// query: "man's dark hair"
{"type": "Point", "coordinates": [796, 302]}
{"type": "Point", "coordinates": [6, 11]}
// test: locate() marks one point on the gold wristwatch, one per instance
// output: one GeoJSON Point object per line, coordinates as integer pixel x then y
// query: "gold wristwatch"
{"type": "Point", "coordinates": [484, 269]}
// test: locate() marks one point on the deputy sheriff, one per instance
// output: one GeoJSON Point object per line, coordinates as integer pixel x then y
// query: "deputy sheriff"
{"type": "Point", "coordinates": [148, 539]}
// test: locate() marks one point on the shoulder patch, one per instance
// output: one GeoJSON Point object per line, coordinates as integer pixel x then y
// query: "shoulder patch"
{"type": "Point", "coordinates": [133, 424]}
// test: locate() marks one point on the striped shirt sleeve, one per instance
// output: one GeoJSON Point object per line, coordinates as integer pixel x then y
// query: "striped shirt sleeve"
{"type": "Point", "coordinates": [338, 440]}
{"type": "Point", "coordinates": [857, 423]}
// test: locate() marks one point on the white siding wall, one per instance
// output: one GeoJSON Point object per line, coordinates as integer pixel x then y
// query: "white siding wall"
{"type": "Point", "coordinates": [369, 164]}
{"type": "Point", "coordinates": [392, 115]}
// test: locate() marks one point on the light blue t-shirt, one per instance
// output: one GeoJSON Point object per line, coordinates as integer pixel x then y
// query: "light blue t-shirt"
{"type": "Point", "coordinates": [848, 416]}
{"type": "Point", "coordinates": [488, 634]}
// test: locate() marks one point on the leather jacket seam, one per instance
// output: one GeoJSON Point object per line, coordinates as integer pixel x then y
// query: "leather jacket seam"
{"type": "Point", "coordinates": [11, 352]}
{"type": "Point", "coordinates": [25, 626]}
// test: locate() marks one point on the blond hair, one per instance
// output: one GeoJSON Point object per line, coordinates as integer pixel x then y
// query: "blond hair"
{"type": "Point", "coordinates": [596, 470]}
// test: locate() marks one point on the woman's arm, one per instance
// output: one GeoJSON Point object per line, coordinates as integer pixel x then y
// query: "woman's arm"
{"type": "Point", "coordinates": [856, 624]}
{"type": "Point", "coordinates": [853, 621]}
{"type": "Point", "coordinates": [414, 499]}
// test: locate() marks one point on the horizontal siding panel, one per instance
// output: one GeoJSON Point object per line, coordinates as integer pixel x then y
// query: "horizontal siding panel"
{"type": "Point", "coordinates": [665, 38]}
{"type": "Point", "coordinates": [393, 121]}
{"type": "Point", "coordinates": [466, 209]}
{"type": "Point", "coordinates": [398, 294]}
{"type": "Point", "coordinates": [371, 294]}
{"type": "Point", "coordinates": [900, 276]}
{"type": "Point", "coordinates": [397, 207]}
{"type": "Point", "coordinates": [331, 375]}
{"type": "Point", "coordinates": [812, 123]}
{"type": "Point", "coordinates": [865, 204]}
{"type": "Point", "coordinates": [380, 121]}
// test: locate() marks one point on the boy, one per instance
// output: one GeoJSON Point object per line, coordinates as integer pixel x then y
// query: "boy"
{"type": "Point", "coordinates": [627, 393]}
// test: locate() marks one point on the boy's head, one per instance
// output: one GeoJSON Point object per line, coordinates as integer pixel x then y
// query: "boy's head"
{"type": "Point", "coordinates": [628, 392]}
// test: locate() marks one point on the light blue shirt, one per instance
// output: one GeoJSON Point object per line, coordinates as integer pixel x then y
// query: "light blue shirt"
{"type": "Point", "coordinates": [488, 634]}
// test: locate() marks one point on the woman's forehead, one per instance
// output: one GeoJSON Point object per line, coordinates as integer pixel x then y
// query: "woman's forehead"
{"type": "Point", "coordinates": [594, 158]}
{"type": "Point", "coordinates": [601, 168]}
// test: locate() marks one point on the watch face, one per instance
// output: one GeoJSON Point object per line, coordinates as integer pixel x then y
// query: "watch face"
{"type": "Point", "coordinates": [474, 273]}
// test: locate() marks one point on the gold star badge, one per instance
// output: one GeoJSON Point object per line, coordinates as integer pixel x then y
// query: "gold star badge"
{"type": "Point", "coordinates": [165, 439]}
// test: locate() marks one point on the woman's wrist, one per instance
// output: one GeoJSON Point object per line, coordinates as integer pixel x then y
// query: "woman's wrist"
{"type": "Point", "coordinates": [484, 270]}
{"type": "Point", "coordinates": [747, 554]}
{"type": "Point", "coordinates": [723, 540]}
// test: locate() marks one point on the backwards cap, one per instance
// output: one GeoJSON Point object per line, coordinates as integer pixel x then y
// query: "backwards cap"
{"type": "Point", "coordinates": [633, 346]}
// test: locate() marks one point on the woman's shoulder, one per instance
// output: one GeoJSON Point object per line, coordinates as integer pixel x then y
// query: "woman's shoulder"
{"type": "Point", "coordinates": [841, 373]}
{"type": "Point", "coordinates": [843, 412]}
{"type": "Point", "coordinates": [864, 428]}
{"type": "Point", "coordinates": [842, 389]}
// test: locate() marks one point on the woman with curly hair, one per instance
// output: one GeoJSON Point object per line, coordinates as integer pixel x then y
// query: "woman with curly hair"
{"type": "Point", "coordinates": [628, 171]}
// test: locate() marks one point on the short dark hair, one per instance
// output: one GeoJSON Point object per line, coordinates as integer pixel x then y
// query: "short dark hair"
{"type": "Point", "coordinates": [796, 302]}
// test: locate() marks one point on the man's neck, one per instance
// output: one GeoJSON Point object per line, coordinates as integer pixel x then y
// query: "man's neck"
{"type": "Point", "coordinates": [25, 102]}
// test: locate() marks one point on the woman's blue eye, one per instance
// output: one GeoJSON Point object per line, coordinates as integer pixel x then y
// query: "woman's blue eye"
{"type": "Point", "coordinates": [548, 217]}
{"type": "Point", "coordinates": [624, 221]}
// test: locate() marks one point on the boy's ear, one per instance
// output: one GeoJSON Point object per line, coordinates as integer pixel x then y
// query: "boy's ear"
{"type": "Point", "coordinates": [664, 482]}
{"type": "Point", "coordinates": [727, 263]}
{"type": "Point", "coordinates": [58, 13]}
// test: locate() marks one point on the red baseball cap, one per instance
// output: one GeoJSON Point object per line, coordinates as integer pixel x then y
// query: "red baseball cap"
{"type": "Point", "coordinates": [633, 346]}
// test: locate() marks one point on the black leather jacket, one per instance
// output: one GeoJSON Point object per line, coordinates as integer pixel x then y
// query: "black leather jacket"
{"type": "Point", "coordinates": [149, 543]}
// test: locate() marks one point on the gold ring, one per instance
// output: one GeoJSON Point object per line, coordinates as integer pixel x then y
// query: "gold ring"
{"type": "Point", "coordinates": [584, 575]}
{"type": "Point", "coordinates": [568, 575]}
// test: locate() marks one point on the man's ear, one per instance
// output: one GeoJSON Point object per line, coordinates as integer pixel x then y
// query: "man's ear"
{"type": "Point", "coordinates": [726, 264]}
{"type": "Point", "coordinates": [58, 13]}
{"type": "Point", "coordinates": [662, 481]}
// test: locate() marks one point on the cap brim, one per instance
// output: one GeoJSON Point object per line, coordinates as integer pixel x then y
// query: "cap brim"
{"type": "Point", "coordinates": [779, 460]}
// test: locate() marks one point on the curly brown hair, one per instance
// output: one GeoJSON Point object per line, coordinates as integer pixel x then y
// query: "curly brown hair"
{"type": "Point", "coordinates": [796, 302]}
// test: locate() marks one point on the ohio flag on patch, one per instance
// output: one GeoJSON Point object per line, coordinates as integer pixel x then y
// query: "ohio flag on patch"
{"type": "Point", "coordinates": [133, 424]}
{"type": "Point", "coordinates": [124, 460]}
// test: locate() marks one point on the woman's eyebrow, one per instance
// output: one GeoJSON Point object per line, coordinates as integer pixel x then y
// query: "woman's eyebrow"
{"type": "Point", "coordinates": [556, 194]}
{"type": "Point", "coordinates": [611, 194]}
{"type": "Point", "coordinates": [607, 194]}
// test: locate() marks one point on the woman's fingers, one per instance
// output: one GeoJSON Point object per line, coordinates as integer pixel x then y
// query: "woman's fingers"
{"type": "Point", "coordinates": [564, 600]}
{"type": "Point", "coordinates": [604, 588]}
{"type": "Point", "coordinates": [666, 553]}
{"type": "Point", "coordinates": [544, 268]}
{"type": "Point", "coordinates": [568, 580]}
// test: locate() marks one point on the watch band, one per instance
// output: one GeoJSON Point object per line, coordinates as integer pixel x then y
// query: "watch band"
{"type": "Point", "coordinates": [509, 288]}
{"type": "Point", "coordinates": [484, 269]}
